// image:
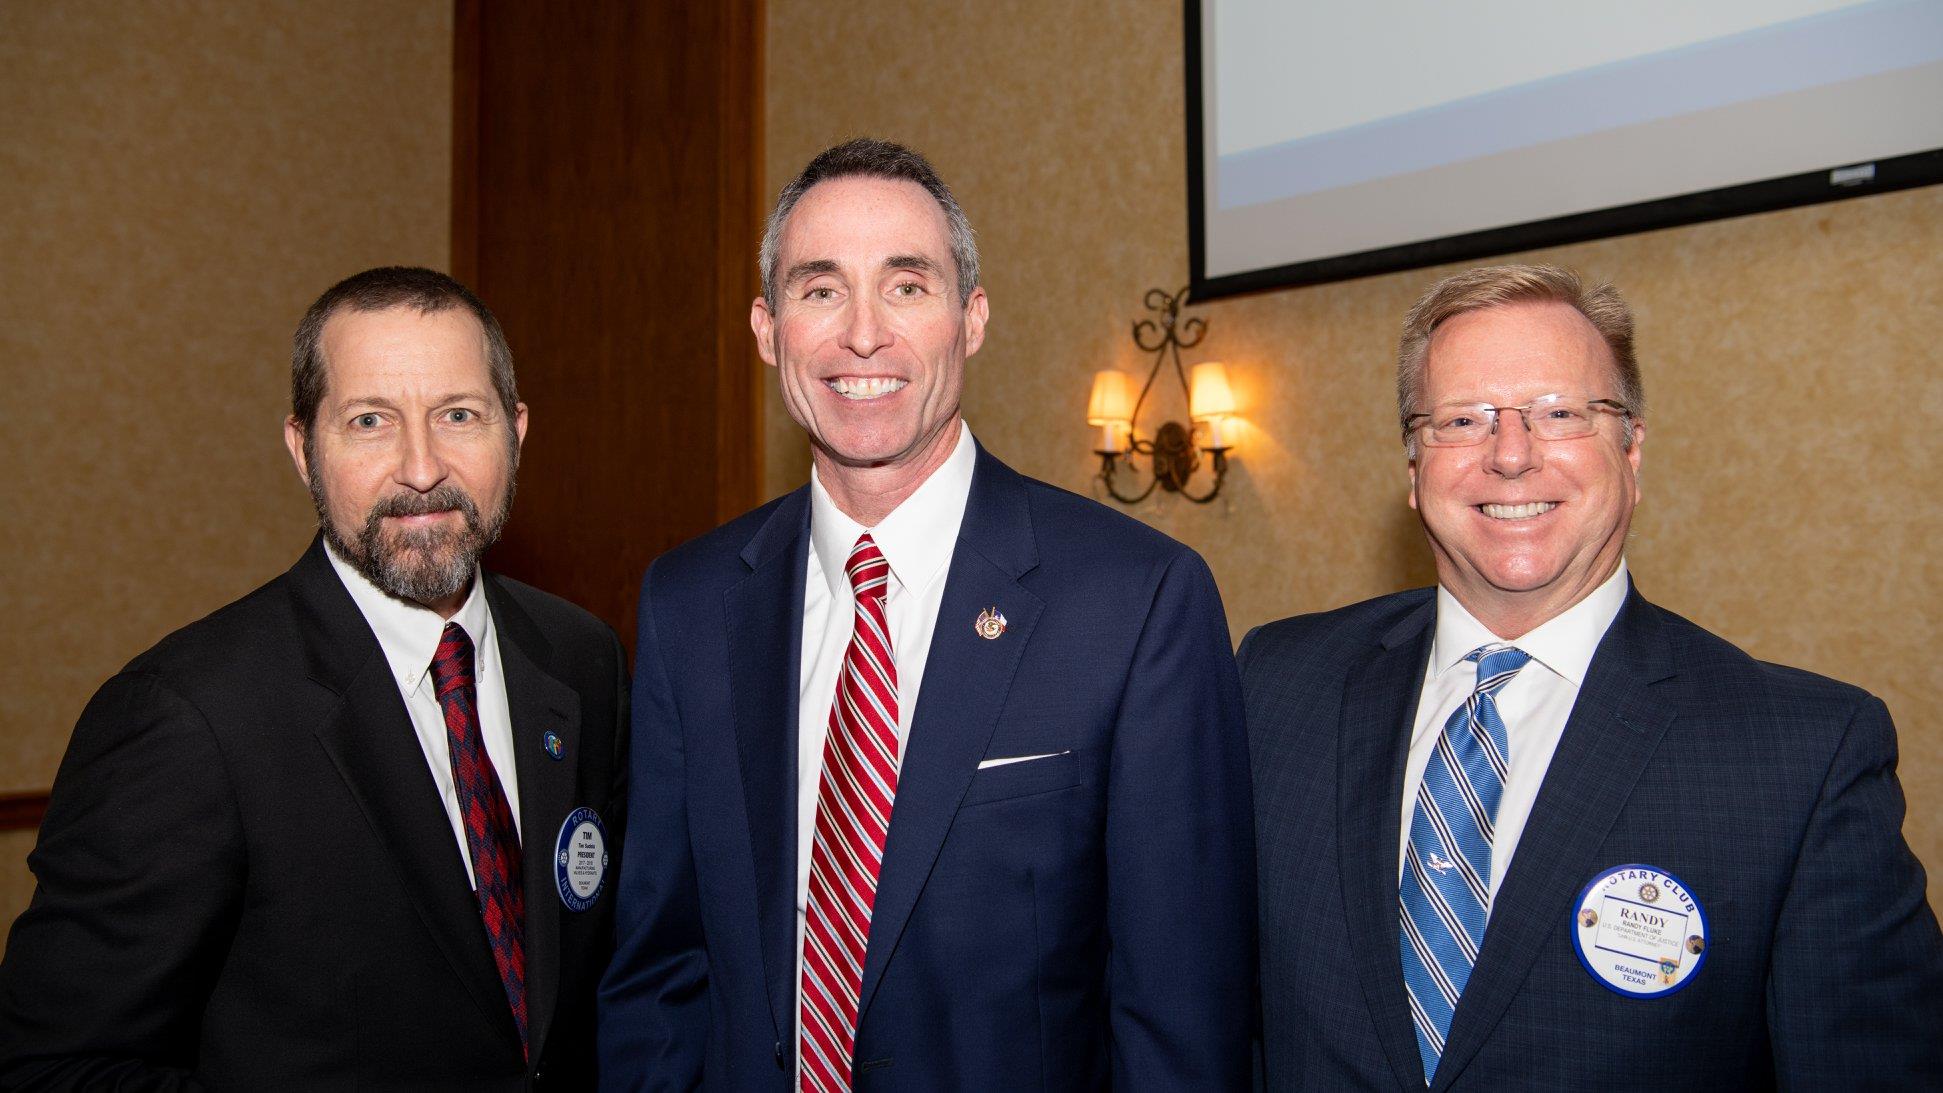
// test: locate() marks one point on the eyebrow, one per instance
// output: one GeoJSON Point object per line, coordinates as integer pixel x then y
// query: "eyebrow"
{"type": "Point", "coordinates": [803, 271]}
{"type": "Point", "coordinates": [379, 402]}
{"type": "Point", "coordinates": [916, 262]}
{"type": "Point", "coordinates": [373, 401]}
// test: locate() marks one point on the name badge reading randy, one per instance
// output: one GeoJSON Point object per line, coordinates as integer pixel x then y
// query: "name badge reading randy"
{"type": "Point", "coordinates": [1639, 931]}
{"type": "Point", "coordinates": [580, 859]}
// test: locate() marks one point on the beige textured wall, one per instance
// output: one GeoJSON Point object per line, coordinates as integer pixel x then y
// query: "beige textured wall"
{"type": "Point", "coordinates": [1793, 360]}
{"type": "Point", "coordinates": [178, 180]}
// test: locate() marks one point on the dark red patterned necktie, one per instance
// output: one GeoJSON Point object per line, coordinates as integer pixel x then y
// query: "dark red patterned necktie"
{"type": "Point", "coordinates": [490, 836]}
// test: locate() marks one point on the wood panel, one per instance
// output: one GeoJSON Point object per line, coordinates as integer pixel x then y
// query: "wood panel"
{"type": "Point", "coordinates": [22, 811]}
{"type": "Point", "coordinates": [606, 205]}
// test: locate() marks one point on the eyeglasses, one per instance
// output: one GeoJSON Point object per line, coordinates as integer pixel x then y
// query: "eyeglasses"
{"type": "Point", "coordinates": [1548, 417]}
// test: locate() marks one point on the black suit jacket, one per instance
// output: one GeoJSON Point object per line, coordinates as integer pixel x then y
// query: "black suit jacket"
{"type": "Point", "coordinates": [247, 880]}
{"type": "Point", "coordinates": [1769, 791]}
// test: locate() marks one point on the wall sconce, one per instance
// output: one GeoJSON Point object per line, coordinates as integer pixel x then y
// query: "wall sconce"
{"type": "Point", "coordinates": [1175, 450]}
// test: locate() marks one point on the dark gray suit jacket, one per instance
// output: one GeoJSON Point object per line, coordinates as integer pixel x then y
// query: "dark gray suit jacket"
{"type": "Point", "coordinates": [1771, 792]}
{"type": "Point", "coordinates": [247, 881]}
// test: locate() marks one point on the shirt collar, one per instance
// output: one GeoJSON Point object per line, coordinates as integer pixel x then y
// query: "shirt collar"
{"type": "Point", "coordinates": [1564, 643]}
{"type": "Point", "coordinates": [410, 634]}
{"type": "Point", "coordinates": [918, 535]}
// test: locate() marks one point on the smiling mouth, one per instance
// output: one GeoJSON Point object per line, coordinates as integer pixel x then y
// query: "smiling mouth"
{"type": "Point", "coordinates": [1518, 512]}
{"type": "Point", "coordinates": [860, 388]}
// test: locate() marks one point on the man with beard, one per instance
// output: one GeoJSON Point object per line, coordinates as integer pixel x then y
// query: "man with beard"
{"type": "Point", "coordinates": [353, 829]}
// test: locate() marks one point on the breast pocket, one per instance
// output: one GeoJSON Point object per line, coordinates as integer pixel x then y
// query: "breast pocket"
{"type": "Point", "coordinates": [1028, 776]}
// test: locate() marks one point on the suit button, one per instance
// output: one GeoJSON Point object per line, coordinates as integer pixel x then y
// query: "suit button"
{"type": "Point", "coordinates": [782, 1061]}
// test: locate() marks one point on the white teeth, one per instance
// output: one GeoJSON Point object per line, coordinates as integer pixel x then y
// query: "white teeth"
{"type": "Point", "coordinates": [864, 387]}
{"type": "Point", "coordinates": [1518, 512]}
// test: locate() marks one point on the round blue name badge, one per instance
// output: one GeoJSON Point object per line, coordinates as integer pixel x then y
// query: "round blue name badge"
{"type": "Point", "coordinates": [580, 859]}
{"type": "Point", "coordinates": [1639, 931]}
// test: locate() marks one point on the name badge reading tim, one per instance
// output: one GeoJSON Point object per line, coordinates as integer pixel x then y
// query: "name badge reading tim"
{"type": "Point", "coordinates": [580, 859]}
{"type": "Point", "coordinates": [1639, 931]}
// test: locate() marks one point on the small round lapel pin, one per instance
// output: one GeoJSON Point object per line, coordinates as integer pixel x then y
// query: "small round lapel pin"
{"type": "Point", "coordinates": [990, 624]}
{"type": "Point", "coordinates": [555, 746]}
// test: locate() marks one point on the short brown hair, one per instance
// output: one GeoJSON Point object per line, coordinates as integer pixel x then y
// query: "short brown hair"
{"type": "Point", "coordinates": [425, 290]}
{"type": "Point", "coordinates": [1494, 286]}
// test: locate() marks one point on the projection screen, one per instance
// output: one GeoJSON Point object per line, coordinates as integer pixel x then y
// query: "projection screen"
{"type": "Point", "coordinates": [1335, 140]}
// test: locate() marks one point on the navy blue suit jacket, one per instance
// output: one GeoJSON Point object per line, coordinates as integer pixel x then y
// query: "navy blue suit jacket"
{"type": "Point", "coordinates": [1769, 791]}
{"type": "Point", "coordinates": [1063, 923]}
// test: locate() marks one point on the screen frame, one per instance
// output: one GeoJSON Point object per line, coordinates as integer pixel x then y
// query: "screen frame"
{"type": "Point", "coordinates": [1768, 195]}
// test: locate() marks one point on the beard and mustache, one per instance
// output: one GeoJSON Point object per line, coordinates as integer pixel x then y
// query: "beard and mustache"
{"type": "Point", "coordinates": [418, 565]}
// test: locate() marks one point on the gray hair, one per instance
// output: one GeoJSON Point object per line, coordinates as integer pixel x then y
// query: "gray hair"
{"type": "Point", "coordinates": [867, 157]}
{"type": "Point", "coordinates": [1494, 286]}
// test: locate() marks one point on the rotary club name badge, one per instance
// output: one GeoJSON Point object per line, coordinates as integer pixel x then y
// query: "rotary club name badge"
{"type": "Point", "coordinates": [1639, 931]}
{"type": "Point", "coordinates": [580, 859]}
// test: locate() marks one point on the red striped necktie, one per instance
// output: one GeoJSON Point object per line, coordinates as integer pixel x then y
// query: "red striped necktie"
{"type": "Point", "coordinates": [853, 816]}
{"type": "Point", "coordinates": [492, 841]}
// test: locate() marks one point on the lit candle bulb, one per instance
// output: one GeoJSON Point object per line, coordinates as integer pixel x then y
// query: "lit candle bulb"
{"type": "Point", "coordinates": [1109, 408]}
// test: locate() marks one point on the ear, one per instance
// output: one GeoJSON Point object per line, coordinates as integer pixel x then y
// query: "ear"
{"type": "Point", "coordinates": [764, 324]}
{"type": "Point", "coordinates": [293, 439]}
{"type": "Point", "coordinates": [1413, 483]}
{"type": "Point", "coordinates": [1633, 455]}
{"type": "Point", "coordinates": [976, 312]}
{"type": "Point", "coordinates": [519, 424]}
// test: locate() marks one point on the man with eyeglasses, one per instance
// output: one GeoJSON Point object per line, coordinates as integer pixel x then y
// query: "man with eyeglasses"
{"type": "Point", "coordinates": [1527, 830]}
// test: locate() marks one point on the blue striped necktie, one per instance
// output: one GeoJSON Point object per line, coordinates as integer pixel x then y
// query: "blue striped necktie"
{"type": "Point", "coordinates": [1446, 885]}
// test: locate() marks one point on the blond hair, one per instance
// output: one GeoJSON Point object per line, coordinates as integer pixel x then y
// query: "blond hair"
{"type": "Point", "coordinates": [1495, 286]}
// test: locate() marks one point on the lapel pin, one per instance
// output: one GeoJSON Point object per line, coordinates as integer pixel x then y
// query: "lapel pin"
{"type": "Point", "coordinates": [990, 624]}
{"type": "Point", "coordinates": [555, 746]}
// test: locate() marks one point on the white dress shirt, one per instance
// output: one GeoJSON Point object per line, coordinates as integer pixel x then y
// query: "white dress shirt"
{"type": "Point", "coordinates": [409, 635]}
{"type": "Point", "coordinates": [917, 539]}
{"type": "Point", "coordinates": [1534, 705]}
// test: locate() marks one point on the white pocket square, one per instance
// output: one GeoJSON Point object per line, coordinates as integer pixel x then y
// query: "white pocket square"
{"type": "Point", "coordinates": [988, 764]}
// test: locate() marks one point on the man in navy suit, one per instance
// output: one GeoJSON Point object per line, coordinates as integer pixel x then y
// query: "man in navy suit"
{"type": "Point", "coordinates": [941, 779]}
{"type": "Point", "coordinates": [1689, 862]}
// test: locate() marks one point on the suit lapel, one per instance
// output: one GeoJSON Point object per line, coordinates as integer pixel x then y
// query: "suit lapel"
{"type": "Point", "coordinates": [765, 635]}
{"type": "Point", "coordinates": [1614, 728]}
{"type": "Point", "coordinates": [1379, 708]}
{"type": "Point", "coordinates": [371, 742]}
{"type": "Point", "coordinates": [538, 703]}
{"type": "Point", "coordinates": [966, 681]}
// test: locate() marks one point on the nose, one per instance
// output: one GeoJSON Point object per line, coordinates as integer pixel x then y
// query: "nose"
{"type": "Point", "coordinates": [421, 463]}
{"type": "Point", "coordinates": [1513, 451]}
{"type": "Point", "coordinates": [864, 331]}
